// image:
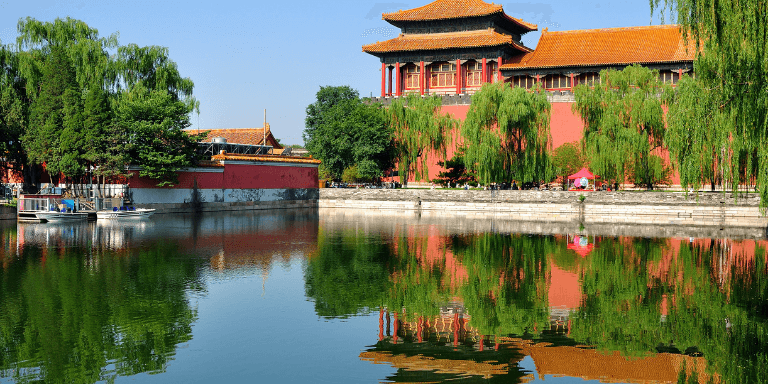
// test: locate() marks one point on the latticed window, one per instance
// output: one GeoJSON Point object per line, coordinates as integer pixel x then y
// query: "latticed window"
{"type": "Point", "coordinates": [589, 79]}
{"type": "Point", "coordinates": [524, 81]}
{"type": "Point", "coordinates": [669, 77]}
{"type": "Point", "coordinates": [442, 75]}
{"type": "Point", "coordinates": [474, 74]}
{"type": "Point", "coordinates": [412, 76]}
{"type": "Point", "coordinates": [492, 72]}
{"type": "Point", "coordinates": [557, 82]}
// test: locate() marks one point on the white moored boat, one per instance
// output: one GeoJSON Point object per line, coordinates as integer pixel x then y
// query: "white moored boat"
{"type": "Point", "coordinates": [57, 217]}
{"type": "Point", "coordinates": [132, 213]}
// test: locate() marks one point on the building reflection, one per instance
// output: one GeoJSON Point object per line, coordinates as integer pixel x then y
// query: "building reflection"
{"type": "Point", "coordinates": [229, 241]}
{"type": "Point", "coordinates": [89, 302]}
{"type": "Point", "coordinates": [459, 301]}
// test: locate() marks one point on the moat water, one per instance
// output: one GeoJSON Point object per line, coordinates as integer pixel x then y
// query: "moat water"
{"type": "Point", "coordinates": [309, 296]}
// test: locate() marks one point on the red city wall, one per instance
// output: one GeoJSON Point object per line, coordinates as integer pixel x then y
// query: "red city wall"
{"type": "Point", "coordinates": [565, 127]}
{"type": "Point", "coordinates": [246, 176]}
{"type": "Point", "coordinates": [239, 176]}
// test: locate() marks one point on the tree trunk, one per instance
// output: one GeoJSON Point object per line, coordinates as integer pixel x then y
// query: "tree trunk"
{"type": "Point", "coordinates": [31, 175]}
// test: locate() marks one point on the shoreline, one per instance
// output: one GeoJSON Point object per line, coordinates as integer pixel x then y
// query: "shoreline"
{"type": "Point", "coordinates": [604, 208]}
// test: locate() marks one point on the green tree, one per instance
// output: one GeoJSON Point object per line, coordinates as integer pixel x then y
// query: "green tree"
{"type": "Point", "coordinates": [76, 87]}
{"type": "Point", "coordinates": [507, 134]}
{"type": "Point", "coordinates": [87, 52]}
{"type": "Point", "coordinates": [456, 172]}
{"type": "Point", "coordinates": [14, 109]}
{"type": "Point", "coordinates": [342, 131]}
{"type": "Point", "coordinates": [419, 130]}
{"type": "Point", "coordinates": [152, 68]}
{"type": "Point", "coordinates": [697, 135]}
{"type": "Point", "coordinates": [154, 121]}
{"type": "Point", "coordinates": [568, 159]}
{"type": "Point", "coordinates": [53, 136]}
{"type": "Point", "coordinates": [730, 40]}
{"type": "Point", "coordinates": [623, 122]}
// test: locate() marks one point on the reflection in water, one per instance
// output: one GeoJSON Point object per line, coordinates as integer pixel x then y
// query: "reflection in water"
{"type": "Point", "coordinates": [445, 301]}
{"type": "Point", "coordinates": [457, 306]}
{"type": "Point", "coordinates": [80, 315]}
{"type": "Point", "coordinates": [88, 302]}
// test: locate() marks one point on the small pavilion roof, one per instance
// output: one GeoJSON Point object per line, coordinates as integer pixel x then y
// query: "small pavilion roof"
{"type": "Point", "coordinates": [584, 172]}
{"type": "Point", "coordinates": [437, 41]}
{"type": "Point", "coordinates": [610, 46]}
{"type": "Point", "coordinates": [249, 136]}
{"type": "Point", "coordinates": [454, 9]}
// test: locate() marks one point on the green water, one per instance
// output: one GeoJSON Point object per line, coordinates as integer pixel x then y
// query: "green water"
{"type": "Point", "coordinates": [303, 296]}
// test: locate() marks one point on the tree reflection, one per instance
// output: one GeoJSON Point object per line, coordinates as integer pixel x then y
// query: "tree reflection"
{"type": "Point", "coordinates": [697, 308]}
{"type": "Point", "coordinates": [82, 315]}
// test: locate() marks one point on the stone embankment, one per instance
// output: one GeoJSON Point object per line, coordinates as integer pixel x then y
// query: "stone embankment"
{"type": "Point", "coordinates": [7, 212]}
{"type": "Point", "coordinates": [645, 208]}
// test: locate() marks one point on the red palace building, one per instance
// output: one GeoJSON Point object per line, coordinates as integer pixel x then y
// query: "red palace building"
{"type": "Point", "coordinates": [452, 47]}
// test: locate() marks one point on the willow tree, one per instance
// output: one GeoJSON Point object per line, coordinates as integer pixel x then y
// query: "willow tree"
{"type": "Point", "coordinates": [697, 136]}
{"type": "Point", "coordinates": [13, 113]}
{"type": "Point", "coordinates": [76, 87]}
{"type": "Point", "coordinates": [623, 124]}
{"type": "Point", "coordinates": [506, 134]}
{"type": "Point", "coordinates": [419, 130]}
{"type": "Point", "coordinates": [731, 38]}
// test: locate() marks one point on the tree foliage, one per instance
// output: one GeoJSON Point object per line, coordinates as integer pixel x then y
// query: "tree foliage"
{"type": "Point", "coordinates": [53, 136]}
{"type": "Point", "coordinates": [456, 172]}
{"type": "Point", "coordinates": [731, 41]}
{"type": "Point", "coordinates": [419, 130]}
{"type": "Point", "coordinates": [155, 121]}
{"type": "Point", "coordinates": [568, 159]}
{"type": "Point", "coordinates": [506, 134]}
{"type": "Point", "coordinates": [14, 112]}
{"type": "Point", "coordinates": [61, 91]}
{"type": "Point", "coordinates": [623, 122]}
{"type": "Point", "coordinates": [697, 136]}
{"type": "Point", "coordinates": [343, 131]}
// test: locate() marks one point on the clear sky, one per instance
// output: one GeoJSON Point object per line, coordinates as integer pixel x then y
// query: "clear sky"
{"type": "Point", "coordinates": [245, 57]}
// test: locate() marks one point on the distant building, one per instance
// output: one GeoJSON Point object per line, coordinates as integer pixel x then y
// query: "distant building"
{"type": "Point", "coordinates": [247, 136]}
{"type": "Point", "coordinates": [453, 47]}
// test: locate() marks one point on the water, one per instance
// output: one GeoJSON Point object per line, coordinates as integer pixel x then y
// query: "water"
{"type": "Point", "coordinates": [349, 297]}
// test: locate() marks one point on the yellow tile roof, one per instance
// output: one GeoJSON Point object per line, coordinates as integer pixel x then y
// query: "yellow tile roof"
{"type": "Point", "coordinates": [643, 45]}
{"type": "Point", "coordinates": [437, 41]}
{"type": "Point", "coordinates": [454, 9]}
{"type": "Point", "coordinates": [264, 158]}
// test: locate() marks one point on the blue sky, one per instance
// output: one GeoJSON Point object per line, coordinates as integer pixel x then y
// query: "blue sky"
{"type": "Point", "coordinates": [245, 57]}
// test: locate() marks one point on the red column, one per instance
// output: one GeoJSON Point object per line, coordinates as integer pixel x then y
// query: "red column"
{"type": "Point", "coordinates": [398, 80]}
{"type": "Point", "coordinates": [538, 80]}
{"type": "Point", "coordinates": [481, 343]}
{"type": "Point", "coordinates": [455, 329]}
{"type": "Point", "coordinates": [498, 69]}
{"type": "Point", "coordinates": [394, 334]}
{"type": "Point", "coordinates": [572, 84]}
{"type": "Point", "coordinates": [421, 77]}
{"type": "Point", "coordinates": [381, 324]}
{"type": "Point", "coordinates": [458, 77]}
{"type": "Point", "coordinates": [419, 329]}
{"type": "Point", "coordinates": [383, 79]}
{"type": "Point", "coordinates": [484, 72]}
{"type": "Point", "coordinates": [426, 79]}
{"type": "Point", "coordinates": [389, 91]}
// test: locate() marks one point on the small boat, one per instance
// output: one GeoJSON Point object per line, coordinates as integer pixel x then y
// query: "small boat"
{"type": "Point", "coordinates": [58, 217]}
{"type": "Point", "coordinates": [125, 213]}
